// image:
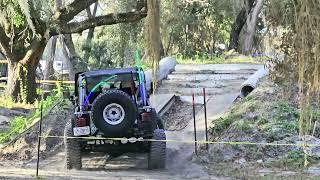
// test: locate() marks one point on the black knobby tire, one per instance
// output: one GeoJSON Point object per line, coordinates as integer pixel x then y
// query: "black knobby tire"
{"type": "Point", "coordinates": [157, 154]}
{"type": "Point", "coordinates": [72, 148]}
{"type": "Point", "coordinates": [115, 154]}
{"type": "Point", "coordinates": [120, 98]}
{"type": "Point", "coordinates": [155, 117]}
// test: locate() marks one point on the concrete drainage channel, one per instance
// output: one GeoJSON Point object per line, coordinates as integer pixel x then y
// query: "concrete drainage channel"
{"type": "Point", "coordinates": [186, 80]}
{"type": "Point", "coordinates": [222, 82]}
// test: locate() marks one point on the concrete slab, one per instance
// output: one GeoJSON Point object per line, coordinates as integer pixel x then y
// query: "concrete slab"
{"type": "Point", "coordinates": [198, 91]}
{"type": "Point", "coordinates": [187, 72]}
{"type": "Point", "coordinates": [162, 102]}
{"type": "Point", "coordinates": [188, 99]}
{"type": "Point", "coordinates": [216, 107]}
{"type": "Point", "coordinates": [217, 67]}
{"type": "Point", "coordinates": [202, 84]}
{"type": "Point", "coordinates": [204, 77]}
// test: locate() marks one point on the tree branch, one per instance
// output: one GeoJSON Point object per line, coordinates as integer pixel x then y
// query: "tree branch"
{"type": "Point", "coordinates": [78, 27]}
{"type": "Point", "coordinates": [5, 45]}
{"type": "Point", "coordinates": [67, 13]}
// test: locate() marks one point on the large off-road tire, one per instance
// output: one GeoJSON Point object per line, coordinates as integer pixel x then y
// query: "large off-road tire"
{"type": "Point", "coordinates": [155, 117]}
{"type": "Point", "coordinates": [113, 113]}
{"type": "Point", "coordinates": [115, 154]}
{"type": "Point", "coordinates": [72, 148]}
{"type": "Point", "coordinates": [157, 154]}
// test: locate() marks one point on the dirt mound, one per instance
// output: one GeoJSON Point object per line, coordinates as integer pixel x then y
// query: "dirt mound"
{"type": "Point", "coordinates": [269, 115]}
{"type": "Point", "coordinates": [178, 116]}
{"type": "Point", "coordinates": [24, 146]}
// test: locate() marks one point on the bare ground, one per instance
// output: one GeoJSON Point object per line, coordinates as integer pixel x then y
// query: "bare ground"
{"type": "Point", "coordinates": [179, 115]}
{"type": "Point", "coordinates": [20, 154]}
{"type": "Point", "coordinates": [24, 146]}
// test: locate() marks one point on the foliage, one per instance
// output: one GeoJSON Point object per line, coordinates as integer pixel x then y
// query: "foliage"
{"type": "Point", "coordinates": [204, 58]}
{"type": "Point", "coordinates": [112, 46]}
{"type": "Point", "coordinates": [300, 46]}
{"type": "Point", "coordinates": [235, 116]}
{"type": "Point", "coordinates": [199, 59]}
{"type": "Point", "coordinates": [7, 102]}
{"type": "Point", "coordinates": [294, 160]}
{"type": "Point", "coordinates": [189, 28]}
{"type": "Point", "coordinates": [208, 25]}
{"type": "Point", "coordinates": [19, 14]}
{"type": "Point", "coordinates": [20, 124]}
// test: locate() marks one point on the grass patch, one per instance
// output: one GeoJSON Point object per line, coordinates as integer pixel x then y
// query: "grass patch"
{"type": "Point", "coordinates": [20, 124]}
{"type": "Point", "coordinates": [284, 111]}
{"type": "Point", "coordinates": [294, 160]}
{"type": "Point", "coordinates": [275, 119]}
{"type": "Point", "coordinates": [214, 60]}
{"type": "Point", "coordinates": [242, 125]}
{"type": "Point", "coordinates": [146, 65]}
{"type": "Point", "coordinates": [247, 59]}
{"type": "Point", "coordinates": [220, 125]}
{"type": "Point", "coordinates": [205, 59]}
{"type": "Point", "coordinates": [8, 103]}
{"type": "Point", "coordinates": [235, 116]}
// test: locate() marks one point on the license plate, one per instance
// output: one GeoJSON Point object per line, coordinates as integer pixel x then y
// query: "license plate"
{"type": "Point", "coordinates": [80, 131]}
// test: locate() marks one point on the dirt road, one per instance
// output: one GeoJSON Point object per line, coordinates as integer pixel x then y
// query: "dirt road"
{"type": "Point", "coordinates": [180, 164]}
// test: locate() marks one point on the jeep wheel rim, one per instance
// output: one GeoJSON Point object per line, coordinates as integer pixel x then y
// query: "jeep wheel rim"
{"type": "Point", "coordinates": [113, 114]}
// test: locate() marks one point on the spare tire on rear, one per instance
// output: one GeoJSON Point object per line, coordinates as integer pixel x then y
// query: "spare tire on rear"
{"type": "Point", "coordinates": [113, 113]}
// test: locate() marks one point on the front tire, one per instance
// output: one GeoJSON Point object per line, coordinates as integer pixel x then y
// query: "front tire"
{"type": "Point", "coordinates": [72, 148]}
{"type": "Point", "coordinates": [157, 154]}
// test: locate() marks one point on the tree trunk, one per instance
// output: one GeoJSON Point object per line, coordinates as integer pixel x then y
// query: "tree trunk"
{"type": "Point", "coordinates": [65, 52]}
{"type": "Point", "coordinates": [73, 57]}
{"type": "Point", "coordinates": [236, 29]}
{"type": "Point", "coordinates": [22, 74]}
{"type": "Point", "coordinates": [154, 30]}
{"type": "Point", "coordinates": [90, 33]}
{"type": "Point", "coordinates": [166, 52]}
{"type": "Point", "coordinates": [154, 43]}
{"type": "Point", "coordinates": [161, 49]}
{"type": "Point", "coordinates": [28, 84]}
{"type": "Point", "coordinates": [239, 23]}
{"type": "Point", "coordinates": [249, 29]}
{"type": "Point", "coordinates": [49, 71]}
{"type": "Point", "coordinates": [13, 86]}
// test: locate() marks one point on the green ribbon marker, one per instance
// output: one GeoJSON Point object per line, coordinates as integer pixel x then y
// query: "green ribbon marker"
{"type": "Point", "coordinates": [141, 78]}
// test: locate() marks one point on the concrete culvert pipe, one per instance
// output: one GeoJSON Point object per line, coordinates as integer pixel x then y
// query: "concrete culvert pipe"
{"type": "Point", "coordinates": [251, 83]}
{"type": "Point", "coordinates": [166, 66]}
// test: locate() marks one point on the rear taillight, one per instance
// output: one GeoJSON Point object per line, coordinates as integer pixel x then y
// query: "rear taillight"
{"type": "Point", "coordinates": [146, 116]}
{"type": "Point", "coordinates": [81, 122]}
